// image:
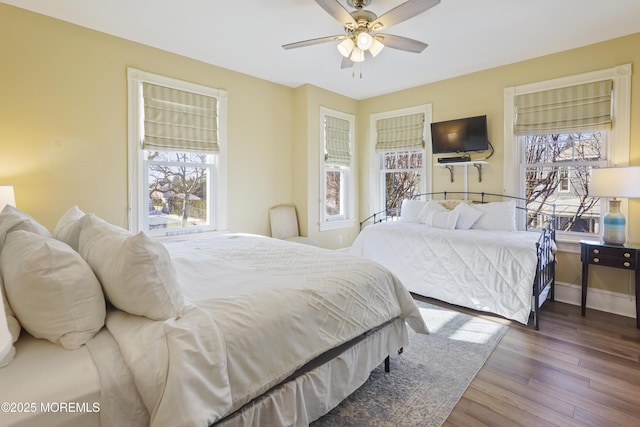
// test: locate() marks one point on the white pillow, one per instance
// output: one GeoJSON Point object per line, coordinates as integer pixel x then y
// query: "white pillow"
{"type": "Point", "coordinates": [7, 349]}
{"type": "Point", "coordinates": [410, 210]}
{"type": "Point", "coordinates": [496, 216]}
{"type": "Point", "coordinates": [446, 220]}
{"type": "Point", "coordinates": [431, 207]}
{"type": "Point", "coordinates": [467, 216]}
{"type": "Point", "coordinates": [12, 219]}
{"type": "Point", "coordinates": [51, 289]}
{"type": "Point", "coordinates": [136, 272]}
{"type": "Point", "coordinates": [68, 227]}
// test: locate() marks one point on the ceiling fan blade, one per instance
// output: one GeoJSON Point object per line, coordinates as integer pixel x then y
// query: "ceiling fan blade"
{"type": "Point", "coordinates": [401, 43]}
{"type": "Point", "coordinates": [335, 9]}
{"type": "Point", "coordinates": [402, 12]}
{"type": "Point", "coordinates": [311, 42]}
{"type": "Point", "coordinates": [346, 63]}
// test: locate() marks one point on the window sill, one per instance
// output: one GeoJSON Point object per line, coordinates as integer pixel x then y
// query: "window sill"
{"type": "Point", "coordinates": [570, 243]}
{"type": "Point", "coordinates": [335, 225]}
{"type": "Point", "coordinates": [188, 236]}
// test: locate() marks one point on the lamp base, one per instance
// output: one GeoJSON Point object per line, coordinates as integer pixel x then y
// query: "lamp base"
{"type": "Point", "coordinates": [613, 232]}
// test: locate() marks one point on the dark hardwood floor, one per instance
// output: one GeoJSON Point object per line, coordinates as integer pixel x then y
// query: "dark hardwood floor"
{"type": "Point", "coordinates": [574, 371]}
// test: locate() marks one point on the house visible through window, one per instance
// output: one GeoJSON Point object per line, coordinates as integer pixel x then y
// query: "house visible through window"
{"type": "Point", "coordinates": [557, 171]}
{"type": "Point", "coordinates": [336, 169]}
{"type": "Point", "coordinates": [562, 130]}
{"type": "Point", "coordinates": [177, 170]}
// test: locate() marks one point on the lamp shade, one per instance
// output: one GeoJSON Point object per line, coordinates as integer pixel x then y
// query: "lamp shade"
{"type": "Point", "coordinates": [345, 47]}
{"type": "Point", "coordinates": [7, 196]}
{"type": "Point", "coordinates": [623, 182]}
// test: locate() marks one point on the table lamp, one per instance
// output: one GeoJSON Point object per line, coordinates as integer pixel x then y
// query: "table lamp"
{"type": "Point", "coordinates": [615, 182]}
{"type": "Point", "coordinates": [7, 196]}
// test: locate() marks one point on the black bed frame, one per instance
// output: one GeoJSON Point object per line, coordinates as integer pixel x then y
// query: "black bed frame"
{"type": "Point", "coordinates": [544, 281]}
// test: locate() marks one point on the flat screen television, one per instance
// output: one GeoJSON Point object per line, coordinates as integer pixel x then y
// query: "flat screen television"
{"type": "Point", "coordinates": [460, 135]}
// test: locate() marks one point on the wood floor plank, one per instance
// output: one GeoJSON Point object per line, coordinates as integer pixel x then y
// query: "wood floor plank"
{"type": "Point", "coordinates": [574, 371]}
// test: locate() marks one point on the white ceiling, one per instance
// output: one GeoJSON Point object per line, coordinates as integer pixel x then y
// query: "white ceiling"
{"type": "Point", "coordinates": [246, 36]}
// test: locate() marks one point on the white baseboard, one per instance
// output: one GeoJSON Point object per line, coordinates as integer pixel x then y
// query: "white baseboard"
{"type": "Point", "coordinates": [597, 299]}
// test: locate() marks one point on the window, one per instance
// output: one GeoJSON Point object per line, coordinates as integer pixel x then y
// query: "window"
{"type": "Point", "coordinates": [336, 169]}
{"type": "Point", "coordinates": [177, 172]}
{"type": "Point", "coordinates": [401, 166]}
{"type": "Point", "coordinates": [556, 132]}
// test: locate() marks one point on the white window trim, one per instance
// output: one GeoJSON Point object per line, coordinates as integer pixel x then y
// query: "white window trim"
{"type": "Point", "coordinates": [135, 164]}
{"type": "Point", "coordinates": [375, 200]}
{"type": "Point", "coordinates": [618, 142]}
{"type": "Point", "coordinates": [349, 197]}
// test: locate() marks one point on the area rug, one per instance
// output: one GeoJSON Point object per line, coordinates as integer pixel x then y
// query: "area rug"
{"type": "Point", "coordinates": [427, 379]}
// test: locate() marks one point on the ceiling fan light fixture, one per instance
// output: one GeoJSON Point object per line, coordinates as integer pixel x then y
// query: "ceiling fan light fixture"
{"type": "Point", "coordinates": [345, 47]}
{"type": "Point", "coordinates": [375, 48]}
{"type": "Point", "coordinates": [357, 55]}
{"type": "Point", "coordinates": [364, 40]}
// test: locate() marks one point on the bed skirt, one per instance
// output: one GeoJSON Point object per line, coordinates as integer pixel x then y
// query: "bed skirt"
{"type": "Point", "coordinates": [322, 388]}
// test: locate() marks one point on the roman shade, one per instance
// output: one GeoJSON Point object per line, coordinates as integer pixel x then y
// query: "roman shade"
{"type": "Point", "coordinates": [179, 120]}
{"type": "Point", "coordinates": [400, 133]}
{"type": "Point", "coordinates": [581, 107]}
{"type": "Point", "coordinates": [337, 141]}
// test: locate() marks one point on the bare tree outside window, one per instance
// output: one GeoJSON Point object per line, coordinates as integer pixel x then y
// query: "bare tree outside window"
{"type": "Point", "coordinates": [333, 193]}
{"type": "Point", "coordinates": [177, 189]}
{"type": "Point", "coordinates": [557, 170]}
{"type": "Point", "coordinates": [402, 177]}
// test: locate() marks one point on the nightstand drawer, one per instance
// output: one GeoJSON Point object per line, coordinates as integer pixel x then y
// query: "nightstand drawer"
{"type": "Point", "coordinates": [612, 257]}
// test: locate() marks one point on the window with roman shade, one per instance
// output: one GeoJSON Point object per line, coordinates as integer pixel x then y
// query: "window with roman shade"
{"type": "Point", "coordinates": [336, 173]}
{"type": "Point", "coordinates": [400, 133]}
{"type": "Point", "coordinates": [556, 133]}
{"type": "Point", "coordinates": [179, 120]}
{"type": "Point", "coordinates": [579, 107]}
{"type": "Point", "coordinates": [177, 155]}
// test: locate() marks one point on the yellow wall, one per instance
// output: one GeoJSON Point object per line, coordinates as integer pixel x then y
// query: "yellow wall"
{"type": "Point", "coordinates": [307, 158]}
{"type": "Point", "coordinates": [63, 122]}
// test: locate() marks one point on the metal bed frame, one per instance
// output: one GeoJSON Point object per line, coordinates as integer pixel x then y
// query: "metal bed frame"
{"type": "Point", "coordinates": [544, 281]}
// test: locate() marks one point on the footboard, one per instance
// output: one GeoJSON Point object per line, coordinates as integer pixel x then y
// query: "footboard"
{"type": "Point", "coordinates": [544, 282]}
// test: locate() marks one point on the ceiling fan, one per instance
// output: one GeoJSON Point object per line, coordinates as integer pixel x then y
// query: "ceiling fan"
{"type": "Point", "coordinates": [362, 29]}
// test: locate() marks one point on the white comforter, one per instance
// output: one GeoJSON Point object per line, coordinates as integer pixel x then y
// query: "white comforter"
{"type": "Point", "coordinates": [485, 270]}
{"type": "Point", "coordinates": [258, 309]}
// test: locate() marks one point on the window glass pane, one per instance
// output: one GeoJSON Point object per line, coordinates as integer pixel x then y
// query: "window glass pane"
{"type": "Point", "coordinates": [400, 186]}
{"type": "Point", "coordinates": [178, 189]}
{"type": "Point", "coordinates": [557, 170]}
{"type": "Point", "coordinates": [390, 161]}
{"type": "Point", "coordinates": [403, 161]}
{"type": "Point", "coordinates": [333, 205]}
{"type": "Point", "coordinates": [402, 177]}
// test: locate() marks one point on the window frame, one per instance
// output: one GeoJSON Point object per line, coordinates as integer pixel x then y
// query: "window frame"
{"type": "Point", "coordinates": [377, 202]}
{"type": "Point", "coordinates": [347, 219]}
{"type": "Point", "coordinates": [137, 199]}
{"type": "Point", "coordinates": [617, 139]}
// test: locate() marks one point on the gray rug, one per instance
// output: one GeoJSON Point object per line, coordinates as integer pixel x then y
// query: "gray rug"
{"type": "Point", "coordinates": [427, 380]}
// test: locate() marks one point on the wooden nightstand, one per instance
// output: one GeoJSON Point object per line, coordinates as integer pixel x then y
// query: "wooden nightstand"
{"type": "Point", "coordinates": [626, 257]}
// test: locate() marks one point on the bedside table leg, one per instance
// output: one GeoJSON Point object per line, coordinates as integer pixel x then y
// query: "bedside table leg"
{"type": "Point", "coordinates": [585, 279]}
{"type": "Point", "coordinates": [637, 274]}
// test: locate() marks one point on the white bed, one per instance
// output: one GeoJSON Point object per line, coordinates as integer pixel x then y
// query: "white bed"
{"type": "Point", "coordinates": [262, 324]}
{"type": "Point", "coordinates": [493, 268]}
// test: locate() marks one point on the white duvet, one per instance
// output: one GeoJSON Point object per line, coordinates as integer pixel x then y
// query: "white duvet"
{"type": "Point", "coordinates": [484, 270]}
{"type": "Point", "coordinates": [257, 310]}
